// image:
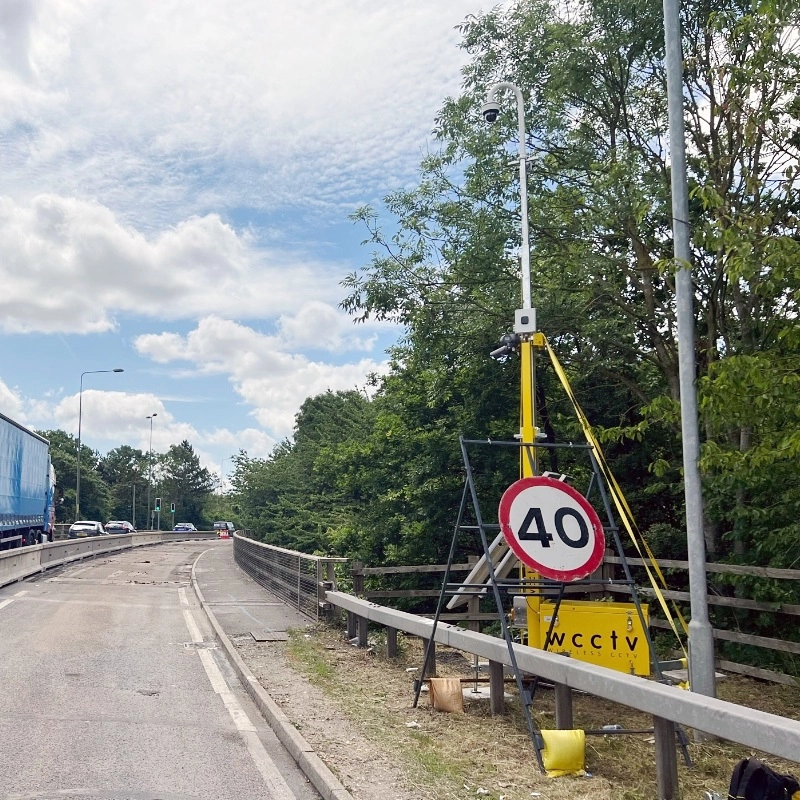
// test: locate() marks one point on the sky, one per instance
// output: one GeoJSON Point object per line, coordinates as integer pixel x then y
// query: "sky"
{"type": "Point", "coordinates": [175, 184]}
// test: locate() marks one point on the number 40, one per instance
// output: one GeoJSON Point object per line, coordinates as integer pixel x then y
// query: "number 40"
{"type": "Point", "coordinates": [534, 515]}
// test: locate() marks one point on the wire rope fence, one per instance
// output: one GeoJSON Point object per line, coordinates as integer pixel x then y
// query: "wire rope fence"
{"type": "Point", "coordinates": [300, 580]}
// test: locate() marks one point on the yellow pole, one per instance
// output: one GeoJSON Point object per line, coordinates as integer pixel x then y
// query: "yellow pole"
{"type": "Point", "coordinates": [528, 462]}
{"type": "Point", "coordinates": [527, 409]}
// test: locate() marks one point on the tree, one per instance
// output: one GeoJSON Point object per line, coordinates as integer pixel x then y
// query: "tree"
{"type": "Point", "coordinates": [95, 498]}
{"type": "Point", "coordinates": [181, 480]}
{"type": "Point", "coordinates": [294, 498]}
{"type": "Point", "coordinates": [593, 74]}
{"type": "Point", "coordinates": [125, 470]}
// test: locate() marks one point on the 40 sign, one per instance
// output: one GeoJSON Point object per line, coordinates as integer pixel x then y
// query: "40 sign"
{"type": "Point", "coordinates": [552, 528]}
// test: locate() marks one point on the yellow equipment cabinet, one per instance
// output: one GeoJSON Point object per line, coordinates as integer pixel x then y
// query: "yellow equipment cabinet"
{"type": "Point", "coordinates": [607, 634]}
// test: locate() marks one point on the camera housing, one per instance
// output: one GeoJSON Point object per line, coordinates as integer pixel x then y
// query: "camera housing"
{"type": "Point", "coordinates": [490, 111]}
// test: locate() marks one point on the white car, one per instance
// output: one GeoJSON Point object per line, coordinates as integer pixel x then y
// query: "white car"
{"type": "Point", "coordinates": [184, 527]}
{"type": "Point", "coordinates": [85, 527]}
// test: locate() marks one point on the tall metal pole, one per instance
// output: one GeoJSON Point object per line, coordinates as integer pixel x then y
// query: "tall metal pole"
{"type": "Point", "coordinates": [525, 251]}
{"type": "Point", "coordinates": [701, 635]}
{"type": "Point", "coordinates": [526, 316]}
{"type": "Point", "coordinates": [80, 415]}
{"type": "Point", "coordinates": [150, 469]}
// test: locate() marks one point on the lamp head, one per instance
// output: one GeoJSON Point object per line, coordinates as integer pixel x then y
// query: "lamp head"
{"type": "Point", "coordinates": [118, 369]}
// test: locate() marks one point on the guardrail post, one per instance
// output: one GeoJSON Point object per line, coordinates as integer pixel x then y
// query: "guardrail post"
{"type": "Point", "coordinates": [358, 591]}
{"type": "Point", "coordinates": [563, 697]}
{"type": "Point", "coordinates": [430, 672]}
{"type": "Point", "coordinates": [497, 688]}
{"type": "Point", "coordinates": [391, 642]}
{"type": "Point", "coordinates": [363, 624]}
{"type": "Point", "coordinates": [666, 759]}
{"type": "Point", "coordinates": [352, 622]}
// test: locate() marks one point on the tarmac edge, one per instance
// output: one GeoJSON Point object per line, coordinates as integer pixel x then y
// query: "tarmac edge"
{"type": "Point", "coordinates": [313, 767]}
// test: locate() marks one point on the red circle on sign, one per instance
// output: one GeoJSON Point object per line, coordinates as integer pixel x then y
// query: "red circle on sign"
{"type": "Point", "coordinates": [552, 528]}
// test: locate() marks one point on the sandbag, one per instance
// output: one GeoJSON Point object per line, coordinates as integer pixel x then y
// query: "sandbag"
{"type": "Point", "coordinates": [446, 695]}
{"type": "Point", "coordinates": [564, 753]}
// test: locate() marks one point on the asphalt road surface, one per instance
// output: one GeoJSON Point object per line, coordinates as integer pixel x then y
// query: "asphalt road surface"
{"type": "Point", "coordinates": [111, 688]}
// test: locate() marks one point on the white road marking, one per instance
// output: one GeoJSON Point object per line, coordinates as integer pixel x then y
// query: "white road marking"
{"type": "Point", "coordinates": [182, 597]}
{"type": "Point", "coordinates": [4, 603]}
{"type": "Point", "coordinates": [194, 631]}
{"type": "Point", "coordinates": [277, 786]}
{"type": "Point", "coordinates": [114, 574]}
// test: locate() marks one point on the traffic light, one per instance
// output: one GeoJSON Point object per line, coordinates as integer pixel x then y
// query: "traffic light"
{"type": "Point", "coordinates": [158, 504]}
{"type": "Point", "coordinates": [172, 507]}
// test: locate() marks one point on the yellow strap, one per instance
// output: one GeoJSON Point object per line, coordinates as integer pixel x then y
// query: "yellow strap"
{"type": "Point", "coordinates": [620, 502]}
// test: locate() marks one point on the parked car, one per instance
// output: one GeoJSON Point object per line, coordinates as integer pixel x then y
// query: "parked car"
{"type": "Point", "coordinates": [119, 526]}
{"type": "Point", "coordinates": [219, 527]}
{"type": "Point", "coordinates": [184, 526]}
{"type": "Point", "coordinates": [85, 527]}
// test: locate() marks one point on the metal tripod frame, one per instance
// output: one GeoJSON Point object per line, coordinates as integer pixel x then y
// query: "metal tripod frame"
{"type": "Point", "coordinates": [470, 493]}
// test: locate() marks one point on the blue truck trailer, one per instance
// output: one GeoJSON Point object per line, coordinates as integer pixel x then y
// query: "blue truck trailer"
{"type": "Point", "coordinates": [27, 486]}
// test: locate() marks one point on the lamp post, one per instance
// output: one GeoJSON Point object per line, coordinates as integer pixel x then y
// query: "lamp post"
{"type": "Point", "coordinates": [80, 414]}
{"type": "Point", "coordinates": [490, 110]}
{"type": "Point", "coordinates": [525, 318]}
{"type": "Point", "coordinates": [701, 635]}
{"type": "Point", "coordinates": [150, 469]}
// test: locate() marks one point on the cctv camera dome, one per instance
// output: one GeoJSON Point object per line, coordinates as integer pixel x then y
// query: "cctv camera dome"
{"type": "Point", "coordinates": [490, 111]}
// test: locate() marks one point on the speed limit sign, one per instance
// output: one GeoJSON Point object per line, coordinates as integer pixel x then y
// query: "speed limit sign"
{"type": "Point", "coordinates": [552, 528]}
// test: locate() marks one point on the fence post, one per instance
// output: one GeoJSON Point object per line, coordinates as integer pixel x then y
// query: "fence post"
{"type": "Point", "coordinates": [666, 759]}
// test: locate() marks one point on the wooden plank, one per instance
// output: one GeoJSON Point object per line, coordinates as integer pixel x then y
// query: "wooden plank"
{"type": "Point", "coordinates": [743, 638]}
{"type": "Point", "coordinates": [717, 600]}
{"type": "Point", "coordinates": [729, 569]}
{"type": "Point", "coordinates": [757, 672]}
{"type": "Point", "coordinates": [414, 568]}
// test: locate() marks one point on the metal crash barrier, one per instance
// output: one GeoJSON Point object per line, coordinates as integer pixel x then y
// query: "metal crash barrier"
{"type": "Point", "coordinates": [26, 561]}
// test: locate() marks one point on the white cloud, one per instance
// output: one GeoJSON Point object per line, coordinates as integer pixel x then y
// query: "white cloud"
{"type": "Point", "coordinates": [11, 403]}
{"type": "Point", "coordinates": [302, 101]}
{"type": "Point", "coordinates": [70, 266]}
{"type": "Point", "coordinates": [319, 325]}
{"type": "Point", "coordinates": [273, 382]}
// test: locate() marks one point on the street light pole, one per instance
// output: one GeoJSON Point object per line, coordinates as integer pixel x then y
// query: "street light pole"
{"type": "Point", "coordinates": [150, 470]}
{"type": "Point", "coordinates": [525, 320]}
{"type": "Point", "coordinates": [525, 251]}
{"type": "Point", "coordinates": [80, 414]}
{"type": "Point", "coordinates": [701, 634]}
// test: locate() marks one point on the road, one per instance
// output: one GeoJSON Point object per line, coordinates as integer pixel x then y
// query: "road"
{"type": "Point", "coordinates": [111, 687]}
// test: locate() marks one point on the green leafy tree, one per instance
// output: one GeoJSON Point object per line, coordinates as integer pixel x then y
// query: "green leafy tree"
{"type": "Point", "coordinates": [125, 470]}
{"type": "Point", "coordinates": [183, 481]}
{"type": "Point", "coordinates": [294, 498]}
{"type": "Point", "coordinates": [601, 242]}
{"type": "Point", "coordinates": [95, 497]}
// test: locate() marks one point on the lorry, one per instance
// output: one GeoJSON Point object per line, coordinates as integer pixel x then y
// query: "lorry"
{"type": "Point", "coordinates": [27, 486]}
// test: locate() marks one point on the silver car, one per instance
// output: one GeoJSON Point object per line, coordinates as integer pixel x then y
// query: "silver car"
{"type": "Point", "coordinates": [85, 527]}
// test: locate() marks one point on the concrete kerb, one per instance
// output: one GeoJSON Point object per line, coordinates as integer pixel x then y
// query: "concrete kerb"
{"type": "Point", "coordinates": [313, 767]}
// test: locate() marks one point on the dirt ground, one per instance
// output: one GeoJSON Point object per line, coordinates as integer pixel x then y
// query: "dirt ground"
{"type": "Point", "coordinates": [355, 707]}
